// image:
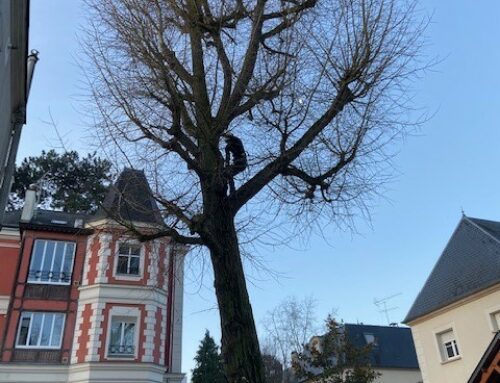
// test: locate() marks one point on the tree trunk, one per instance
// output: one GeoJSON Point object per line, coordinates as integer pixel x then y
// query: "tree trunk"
{"type": "Point", "coordinates": [240, 346]}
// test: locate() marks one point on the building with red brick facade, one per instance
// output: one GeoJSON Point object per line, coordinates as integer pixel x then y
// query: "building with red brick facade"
{"type": "Point", "coordinates": [82, 300]}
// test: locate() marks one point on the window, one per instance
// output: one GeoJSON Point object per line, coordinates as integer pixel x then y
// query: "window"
{"type": "Point", "coordinates": [40, 330]}
{"type": "Point", "coordinates": [51, 262]}
{"type": "Point", "coordinates": [129, 259]}
{"type": "Point", "coordinates": [448, 345]}
{"type": "Point", "coordinates": [370, 338]}
{"type": "Point", "coordinates": [495, 320]}
{"type": "Point", "coordinates": [122, 337]}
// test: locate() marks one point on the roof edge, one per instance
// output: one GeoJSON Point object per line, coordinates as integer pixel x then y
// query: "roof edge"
{"type": "Point", "coordinates": [409, 318]}
{"type": "Point", "coordinates": [482, 229]}
{"type": "Point", "coordinates": [461, 300]}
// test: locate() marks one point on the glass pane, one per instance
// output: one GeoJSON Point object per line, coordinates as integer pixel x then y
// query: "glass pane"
{"type": "Point", "coordinates": [121, 268]}
{"type": "Point", "coordinates": [46, 329]}
{"type": "Point", "coordinates": [135, 249]}
{"type": "Point", "coordinates": [36, 323]}
{"type": "Point", "coordinates": [115, 337]}
{"type": "Point", "coordinates": [124, 249]}
{"type": "Point", "coordinates": [449, 350]}
{"type": "Point", "coordinates": [36, 260]}
{"type": "Point", "coordinates": [23, 331]}
{"type": "Point", "coordinates": [58, 259]}
{"type": "Point", "coordinates": [68, 257]}
{"type": "Point", "coordinates": [128, 336]}
{"type": "Point", "coordinates": [49, 255]}
{"type": "Point", "coordinates": [134, 266]}
{"type": "Point", "coordinates": [456, 347]}
{"type": "Point", "coordinates": [58, 330]}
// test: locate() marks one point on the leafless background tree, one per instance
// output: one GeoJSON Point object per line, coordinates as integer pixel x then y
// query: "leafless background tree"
{"type": "Point", "coordinates": [289, 326]}
{"type": "Point", "coordinates": [316, 90]}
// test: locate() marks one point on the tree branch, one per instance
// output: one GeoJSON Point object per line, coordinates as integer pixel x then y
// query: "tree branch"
{"type": "Point", "coordinates": [277, 166]}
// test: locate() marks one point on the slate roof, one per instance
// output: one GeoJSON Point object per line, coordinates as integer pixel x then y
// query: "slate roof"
{"type": "Point", "coordinates": [11, 219]}
{"type": "Point", "coordinates": [469, 263]}
{"type": "Point", "coordinates": [393, 347]}
{"type": "Point", "coordinates": [47, 220]}
{"type": "Point", "coordinates": [131, 199]}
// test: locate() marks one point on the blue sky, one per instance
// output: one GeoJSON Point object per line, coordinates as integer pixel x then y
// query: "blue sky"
{"type": "Point", "coordinates": [448, 166]}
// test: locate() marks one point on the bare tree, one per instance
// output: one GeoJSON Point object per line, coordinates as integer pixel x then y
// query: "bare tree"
{"type": "Point", "coordinates": [288, 327]}
{"type": "Point", "coordinates": [315, 89]}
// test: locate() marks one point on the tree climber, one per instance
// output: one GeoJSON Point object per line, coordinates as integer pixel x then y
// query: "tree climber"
{"type": "Point", "coordinates": [236, 159]}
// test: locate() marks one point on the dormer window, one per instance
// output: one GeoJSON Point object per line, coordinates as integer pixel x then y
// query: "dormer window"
{"type": "Point", "coordinates": [128, 259]}
{"type": "Point", "coordinates": [370, 339]}
{"type": "Point", "coordinates": [51, 262]}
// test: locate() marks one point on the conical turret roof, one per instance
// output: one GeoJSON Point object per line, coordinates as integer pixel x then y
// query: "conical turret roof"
{"type": "Point", "coordinates": [130, 199]}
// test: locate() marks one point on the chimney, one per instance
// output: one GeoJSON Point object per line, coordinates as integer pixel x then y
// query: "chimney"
{"type": "Point", "coordinates": [30, 203]}
{"type": "Point", "coordinates": [32, 60]}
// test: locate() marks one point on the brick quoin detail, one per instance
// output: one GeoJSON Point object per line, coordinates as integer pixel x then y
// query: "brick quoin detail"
{"type": "Point", "coordinates": [111, 256]}
{"type": "Point", "coordinates": [82, 340]}
{"type": "Point", "coordinates": [157, 338]}
{"type": "Point", "coordinates": [93, 260]}
{"type": "Point", "coordinates": [142, 335]}
{"type": "Point", "coordinates": [162, 255]}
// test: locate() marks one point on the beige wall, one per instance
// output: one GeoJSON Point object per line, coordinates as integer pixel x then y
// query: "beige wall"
{"type": "Point", "coordinates": [473, 330]}
{"type": "Point", "coordinates": [399, 376]}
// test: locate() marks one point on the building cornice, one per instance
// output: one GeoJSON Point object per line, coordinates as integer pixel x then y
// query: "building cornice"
{"type": "Point", "coordinates": [454, 305]}
{"type": "Point", "coordinates": [121, 294]}
{"type": "Point", "coordinates": [9, 234]}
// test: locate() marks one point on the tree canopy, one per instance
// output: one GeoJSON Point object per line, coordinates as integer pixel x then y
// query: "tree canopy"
{"type": "Point", "coordinates": [316, 90]}
{"type": "Point", "coordinates": [208, 367]}
{"type": "Point", "coordinates": [67, 181]}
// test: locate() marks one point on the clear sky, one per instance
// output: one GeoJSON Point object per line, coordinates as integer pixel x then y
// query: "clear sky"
{"type": "Point", "coordinates": [449, 166]}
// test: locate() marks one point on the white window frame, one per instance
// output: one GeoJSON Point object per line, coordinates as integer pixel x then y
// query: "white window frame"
{"type": "Point", "coordinates": [127, 277]}
{"type": "Point", "coordinates": [495, 320]}
{"type": "Point", "coordinates": [491, 315]}
{"type": "Point", "coordinates": [38, 346]}
{"type": "Point", "coordinates": [441, 345]}
{"type": "Point", "coordinates": [40, 282]}
{"type": "Point", "coordinates": [129, 312]}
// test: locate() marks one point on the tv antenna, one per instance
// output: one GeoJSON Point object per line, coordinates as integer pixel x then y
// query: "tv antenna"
{"type": "Point", "coordinates": [383, 307]}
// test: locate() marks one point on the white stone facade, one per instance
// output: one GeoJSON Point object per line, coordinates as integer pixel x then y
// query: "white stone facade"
{"type": "Point", "coordinates": [106, 295]}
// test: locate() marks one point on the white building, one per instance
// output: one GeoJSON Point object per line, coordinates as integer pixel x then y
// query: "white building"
{"type": "Point", "coordinates": [457, 313]}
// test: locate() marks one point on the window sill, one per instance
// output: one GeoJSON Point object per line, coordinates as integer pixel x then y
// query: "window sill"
{"type": "Point", "coordinates": [124, 277]}
{"type": "Point", "coordinates": [454, 359]}
{"type": "Point", "coordinates": [48, 283]}
{"type": "Point", "coordinates": [38, 348]}
{"type": "Point", "coordinates": [121, 357]}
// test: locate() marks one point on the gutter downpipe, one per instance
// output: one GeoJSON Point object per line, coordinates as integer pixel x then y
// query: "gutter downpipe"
{"type": "Point", "coordinates": [19, 119]}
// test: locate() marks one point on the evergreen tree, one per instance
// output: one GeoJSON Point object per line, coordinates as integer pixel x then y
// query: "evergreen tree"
{"type": "Point", "coordinates": [208, 363]}
{"type": "Point", "coordinates": [67, 182]}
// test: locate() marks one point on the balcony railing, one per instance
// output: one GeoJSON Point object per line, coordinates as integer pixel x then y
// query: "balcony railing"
{"type": "Point", "coordinates": [118, 350]}
{"type": "Point", "coordinates": [37, 356]}
{"type": "Point", "coordinates": [49, 276]}
{"type": "Point", "coordinates": [47, 291]}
